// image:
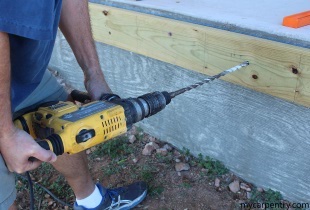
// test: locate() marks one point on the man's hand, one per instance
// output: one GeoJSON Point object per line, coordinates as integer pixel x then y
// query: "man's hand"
{"type": "Point", "coordinates": [96, 85]}
{"type": "Point", "coordinates": [17, 147]}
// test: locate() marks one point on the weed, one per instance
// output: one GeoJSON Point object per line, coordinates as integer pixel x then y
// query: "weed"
{"type": "Point", "coordinates": [214, 167]}
{"type": "Point", "coordinates": [139, 135]}
{"type": "Point", "coordinates": [60, 187]}
{"type": "Point", "coordinates": [155, 190]}
{"type": "Point", "coordinates": [114, 167]}
{"type": "Point", "coordinates": [115, 148]}
{"type": "Point", "coordinates": [267, 197]}
{"type": "Point", "coordinates": [147, 174]}
{"type": "Point", "coordinates": [186, 185]}
{"type": "Point", "coordinates": [164, 159]}
{"type": "Point", "coordinates": [139, 129]}
{"type": "Point", "coordinates": [185, 152]}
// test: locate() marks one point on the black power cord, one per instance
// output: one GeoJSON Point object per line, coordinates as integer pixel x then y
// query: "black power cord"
{"type": "Point", "coordinates": [31, 190]}
{"type": "Point", "coordinates": [30, 183]}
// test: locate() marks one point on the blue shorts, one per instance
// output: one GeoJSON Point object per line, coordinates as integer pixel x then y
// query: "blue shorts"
{"type": "Point", "coordinates": [48, 90]}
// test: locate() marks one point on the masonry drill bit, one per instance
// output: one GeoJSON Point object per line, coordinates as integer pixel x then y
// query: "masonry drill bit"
{"type": "Point", "coordinates": [209, 79]}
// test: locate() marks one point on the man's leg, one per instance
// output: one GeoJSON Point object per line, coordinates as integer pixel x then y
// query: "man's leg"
{"type": "Point", "coordinates": [7, 187]}
{"type": "Point", "coordinates": [75, 169]}
{"type": "Point", "coordinates": [13, 207]}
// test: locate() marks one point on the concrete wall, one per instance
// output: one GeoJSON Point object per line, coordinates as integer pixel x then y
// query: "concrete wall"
{"type": "Point", "coordinates": [263, 139]}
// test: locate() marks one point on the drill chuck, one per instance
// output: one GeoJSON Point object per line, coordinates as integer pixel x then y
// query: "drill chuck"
{"type": "Point", "coordinates": [136, 109]}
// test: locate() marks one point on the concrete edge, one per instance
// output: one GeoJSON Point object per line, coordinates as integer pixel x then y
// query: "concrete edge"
{"type": "Point", "coordinates": [203, 22]}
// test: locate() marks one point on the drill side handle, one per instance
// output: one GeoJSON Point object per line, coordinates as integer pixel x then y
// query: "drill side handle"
{"type": "Point", "coordinates": [80, 96]}
{"type": "Point", "coordinates": [83, 96]}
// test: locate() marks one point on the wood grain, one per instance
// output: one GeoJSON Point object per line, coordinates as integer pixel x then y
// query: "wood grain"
{"type": "Point", "coordinates": [208, 50]}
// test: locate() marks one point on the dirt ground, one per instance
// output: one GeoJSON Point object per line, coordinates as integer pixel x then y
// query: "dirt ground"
{"type": "Point", "coordinates": [202, 184]}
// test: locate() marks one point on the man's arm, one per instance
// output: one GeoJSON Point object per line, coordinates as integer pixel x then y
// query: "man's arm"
{"type": "Point", "coordinates": [75, 25]}
{"type": "Point", "coordinates": [16, 146]}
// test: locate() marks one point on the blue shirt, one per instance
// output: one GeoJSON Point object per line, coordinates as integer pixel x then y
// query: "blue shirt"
{"type": "Point", "coordinates": [32, 26]}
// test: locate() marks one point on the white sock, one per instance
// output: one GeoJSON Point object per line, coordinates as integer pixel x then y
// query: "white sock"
{"type": "Point", "coordinates": [92, 201]}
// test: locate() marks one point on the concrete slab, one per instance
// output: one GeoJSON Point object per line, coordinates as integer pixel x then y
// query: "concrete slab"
{"type": "Point", "coordinates": [257, 18]}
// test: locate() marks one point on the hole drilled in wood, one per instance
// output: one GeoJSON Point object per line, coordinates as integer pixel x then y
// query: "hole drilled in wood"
{"type": "Point", "coordinates": [254, 76]}
{"type": "Point", "coordinates": [105, 12]}
{"type": "Point", "coordinates": [294, 70]}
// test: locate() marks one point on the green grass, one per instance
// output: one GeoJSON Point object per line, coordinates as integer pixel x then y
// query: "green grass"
{"type": "Point", "coordinates": [268, 197]}
{"type": "Point", "coordinates": [185, 152]}
{"type": "Point", "coordinates": [115, 148]}
{"type": "Point", "coordinates": [155, 190]}
{"type": "Point", "coordinates": [164, 159]}
{"type": "Point", "coordinates": [186, 185]}
{"type": "Point", "coordinates": [139, 135]}
{"type": "Point", "coordinates": [214, 167]}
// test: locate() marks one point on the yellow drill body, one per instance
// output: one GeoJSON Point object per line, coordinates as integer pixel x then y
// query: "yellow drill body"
{"type": "Point", "coordinates": [78, 127]}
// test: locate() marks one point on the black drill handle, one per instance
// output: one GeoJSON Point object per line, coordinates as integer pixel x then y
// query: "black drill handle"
{"type": "Point", "coordinates": [83, 96]}
{"type": "Point", "coordinates": [44, 145]}
{"type": "Point", "coordinates": [80, 96]}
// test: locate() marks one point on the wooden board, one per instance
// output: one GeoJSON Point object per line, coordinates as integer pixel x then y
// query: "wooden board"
{"type": "Point", "coordinates": [207, 50]}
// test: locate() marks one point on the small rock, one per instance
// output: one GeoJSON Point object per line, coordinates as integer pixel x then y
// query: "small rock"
{"type": "Point", "coordinates": [204, 170]}
{"type": "Point", "coordinates": [152, 139]}
{"type": "Point", "coordinates": [182, 167]}
{"type": "Point", "coordinates": [88, 152]}
{"type": "Point", "coordinates": [132, 138]}
{"type": "Point", "coordinates": [179, 173]}
{"type": "Point", "coordinates": [167, 147]}
{"type": "Point", "coordinates": [47, 196]}
{"type": "Point", "coordinates": [50, 203]}
{"type": "Point", "coordinates": [149, 148]}
{"type": "Point", "coordinates": [133, 130]}
{"type": "Point", "coordinates": [245, 187]}
{"type": "Point", "coordinates": [248, 195]}
{"type": "Point", "coordinates": [176, 153]}
{"type": "Point", "coordinates": [162, 151]}
{"type": "Point", "coordinates": [259, 189]}
{"type": "Point", "coordinates": [135, 160]}
{"type": "Point", "coordinates": [177, 160]}
{"type": "Point", "coordinates": [98, 159]}
{"type": "Point", "coordinates": [217, 182]}
{"type": "Point", "coordinates": [93, 149]}
{"type": "Point", "coordinates": [234, 186]}
{"type": "Point", "coordinates": [154, 145]}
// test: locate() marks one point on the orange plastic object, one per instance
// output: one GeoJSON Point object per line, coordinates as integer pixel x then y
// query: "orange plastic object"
{"type": "Point", "coordinates": [297, 20]}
